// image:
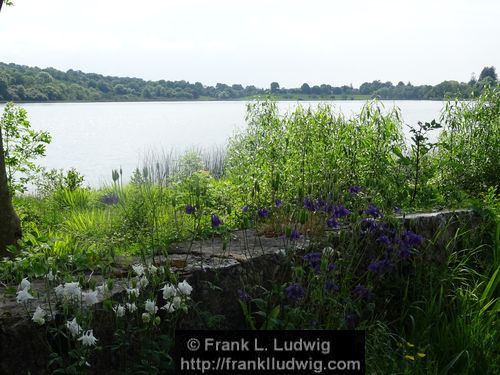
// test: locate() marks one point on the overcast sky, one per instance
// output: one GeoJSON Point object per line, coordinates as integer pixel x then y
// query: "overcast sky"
{"type": "Point", "coordinates": [257, 41]}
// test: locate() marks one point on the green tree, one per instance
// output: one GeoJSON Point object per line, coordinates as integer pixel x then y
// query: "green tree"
{"type": "Point", "coordinates": [275, 87]}
{"type": "Point", "coordinates": [488, 71]}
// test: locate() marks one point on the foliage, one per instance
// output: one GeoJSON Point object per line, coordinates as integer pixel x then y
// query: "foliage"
{"type": "Point", "coordinates": [21, 144]}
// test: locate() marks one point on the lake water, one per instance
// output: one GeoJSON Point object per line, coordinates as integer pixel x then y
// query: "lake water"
{"type": "Point", "coordinates": [96, 138]}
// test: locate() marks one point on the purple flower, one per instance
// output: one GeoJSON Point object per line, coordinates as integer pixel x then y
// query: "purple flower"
{"type": "Point", "coordinates": [245, 208]}
{"type": "Point", "coordinates": [383, 239]}
{"type": "Point", "coordinates": [295, 291]}
{"type": "Point", "coordinates": [362, 292]}
{"type": "Point", "coordinates": [263, 212]}
{"type": "Point", "coordinates": [190, 209]}
{"type": "Point", "coordinates": [369, 225]}
{"type": "Point", "coordinates": [309, 204]}
{"type": "Point", "coordinates": [330, 267]}
{"type": "Point", "coordinates": [380, 265]}
{"type": "Point", "coordinates": [244, 296]}
{"type": "Point", "coordinates": [404, 250]}
{"type": "Point", "coordinates": [317, 269]}
{"type": "Point", "coordinates": [216, 221]}
{"type": "Point", "coordinates": [312, 258]}
{"type": "Point", "coordinates": [331, 286]}
{"type": "Point", "coordinates": [109, 199]}
{"type": "Point", "coordinates": [412, 239]}
{"type": "Point", "coordinates": [278, 203]}
{"type": "Point", "coordinates": [355, 189]}
{"type": "Point", "coordinates": [295, 235]}
{"type": "Point", "coordinates": [397, 210]}
{"type": "Point", "coordinates": [332, 222]}
{"type": "Point", "coordinates": [374, 211]}
{"type": "Point", "coordinates": [340, 211]}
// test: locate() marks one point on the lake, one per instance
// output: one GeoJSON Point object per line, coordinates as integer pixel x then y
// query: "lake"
{"type": "Point", "coordinates": [96, 138]}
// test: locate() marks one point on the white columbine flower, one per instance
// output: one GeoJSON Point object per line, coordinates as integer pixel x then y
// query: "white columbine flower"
{"type": "Point", "coordinates": [138, 269]}
{"type": "Point", "coordinates": [50, 276]}
{"type": "Point", "coordinates": [90, 297]}
{"type": "Point", "coordinates": [152, 269]}
{"type": "Point", "coordinates": [169, 291]}
{"type": "Point", "coordinates": [169, 306]}
{"type": "Point", "coordinates": [23, 296]}
{"type": "Point", "coordinates": [39, 316]}
{"type": "Point", "coordinates": [143, 282]}
{"type": "Point", "coordinates": [177, 302]}
{"type": "Point", "coordinates": [185, 288]}
{"type": "Point", "coordinates": [133, 292]}
{"type": "Point", "coordinates": [88, 338]}
{"type": "Point", "coordinates": [72, 290]}
{"type": "Point", "coordinates": [146, 318]}
{"type": "Point", "coordinates": [25, 284]}
{"type": "Point", "coordinates": [102, 290]}
{"type": "Point", "coordinates": [150, 307]}
{"type": "Point", "coordinates": [131, 307]}
{"type": "Point", "coordinates": [73, 327]}
{"type": "Point", "coordinates": [59, 290]}
{"type": "Point", "coordinates": [119, 311]}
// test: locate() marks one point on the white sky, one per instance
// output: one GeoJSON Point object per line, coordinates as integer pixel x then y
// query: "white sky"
{"type": "Point", "coordinates": [257, 41]}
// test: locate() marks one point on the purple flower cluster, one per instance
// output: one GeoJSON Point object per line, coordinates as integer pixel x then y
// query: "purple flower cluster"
{"type": "Point", "coordinates": [263, 212]}
{"type": "Point", "coordinates": [363, 292]}
{"type": "Point", "coordinates": [355, 189]}
{"type": "Point", "coordinates": [380, 266]}
{"type": "Point", "coordinates": [216, 221]}
{"type": "Point", "coordinates": [109, 199]}
{"type": "Point", "coordinates": [244, 296]}
{"type": "Point", "coordinates": [374, 211]}
{"type": "Point", "coordinates": [295, 235]}
{"type": "Point", "coordinates": [294, 291]}
{"type": "Point", "coordinates": [278, 203]}
{"type": "Point", "coordinates": [190, 209]}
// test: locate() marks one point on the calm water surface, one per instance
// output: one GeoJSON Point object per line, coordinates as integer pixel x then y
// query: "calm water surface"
{"type": "Point", "coordinates": [95, 138]}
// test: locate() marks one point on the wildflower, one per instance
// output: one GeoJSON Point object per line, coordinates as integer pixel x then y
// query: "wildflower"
{"type": "Point", "coordinates": [143, 282]}
{"type": "Point", "coordinates": [190, 209]}
{"type": "Point", "coordinates": [295, 235]}
{"type": "Point", "coordinates": [50, 276]}
{"type": "Point", "coordinates": [328, 251]}
{"type": "Point", "coordinates": [39, 316]}
{"type": "Point", "coordinates": [73, 327]}
{"type": "Point", "coordinates": [412, 239]}
{"type": "Point", "coordinates": [383, 239]}
{"type": "Point", "coordinates": [317, 269]}
{"type": "Point", "coordinates": [331, 286]}
{"type": "Point", "coordinates": [244, 296]}
{"type": "Point", "coordinates": [354, 189]}
{"type": "Point", "coordinates": [369, 225]}
{"type": "Point", "coordinates": [362, 292]}
{"type": "Point", "coordinates": [24, 285]}
{"type": "Point", "coordinates": [59, 290]}
{"type": "Point", "coordinates": [150, 307]}
{"type": "Point", "coordinates": [70, 291]}
{"type": "Point", "coordinates": [23, 296]}
{"type": "Point", "coordinates": [379, 266]}
{"type": "Point", "coordinates": [278, 203]}
{"type": "Point", "coordinates": [404, 249]}
{"type": "Point", "coordinates": [102, 289]}
{"type": "Point", "coordinates": [245, 208]}
{"type": "Point", "coordinates": [88, 338]}
{"type": "Point", "coordinates": [332, 222]}
{"type": "Point", "coordinates": [133, 292]}
{"type": "Point", "coordinates": [309, 204]}
{"type": "Point", "coordinates": [313, 258]}
{"type": "Point", "coordinates": [216, 221]}
{"type": "Point", "coordinates": [119, 311]}
{"type": "Point", "coordinates": [185, 288]}
{"type": "Point", "coordinates": [169, 291]}
{"type": "Point", "coordinates": [131, 307]}
{"type": "Point", "coordinates": [340, 211]}
{"type": "Point", "coordinates": [397, 210]}
{"type": "Point", "coordinates": [138, 269]}
{"type": "Point", "coordinates": [176, 302]}
{"type": "Point", "coordinates": [263, 213]}
{"type": "Point", "coordinates": [109, 199]}
{"type": "Point", "coordinates": [152, 269]}
{"type": "Point", "coordinates": [146, 318]}
{"type": "Point", "coordinates": [295, 291]}
{"type": "Point", "coordinates": [90, 297]}
{"type": "Point", "coordinates": [169, 306]}
{"type": "Point", "coordinates": [374, 211]}
{"type": "Point", "coordinates": [330, 267]}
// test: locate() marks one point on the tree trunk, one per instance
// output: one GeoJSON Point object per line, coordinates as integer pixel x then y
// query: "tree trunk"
{"type": "Point", "coordinates": [10, 226]}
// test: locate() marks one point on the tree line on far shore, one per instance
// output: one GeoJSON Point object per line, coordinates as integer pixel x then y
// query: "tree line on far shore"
{"type": "Point", "coordinates": [32, 84]}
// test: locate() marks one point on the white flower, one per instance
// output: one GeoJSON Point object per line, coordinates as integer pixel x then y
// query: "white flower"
{"type": "Point", "coordinates": [169, 306]}
{"type": "Point", "coordinates": [133, 292]}
{"type": "Point", "coordinates": [39, 316]}
{"type": "Point", "coordinates": [23, 296]}
{"type": "Point", "coordinates": [50, 276]}
{"type": "Point", "coordinates": [138, 269]}
{"type": "Point", "coordinates": [177, 302]}
{"type": "Point", "coordinates": [90, 297]}
{"type": "Point", "coordinates": [88, 338]}
{"type": "Point", "coordinates": [72, 290]}
{"type": "Point", "coordinates": [185, 288]}
{"type": "Point", "coordinates": [150, 307]}
{"type": "Point", "coordinates": [25, 284]}
{"type": "Point", "coordinates": [59, 290]}
{"type": "Point", "coordinates": [152, 269]}
{"type": "Point", "coordinates": [131, 307]}
{"type": "Point", "coordinates": [169, 291]}
{"type": "Point", "coordinates": [119, 311]}
{"type": "Point", "coordinates": [146, 318]}
{"type": "Point", "coordinates": [102, 290]}
{"type": "Point", "coordinates": [143, 282]}
{"type": "Point", "coordinates": [73, 327]}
